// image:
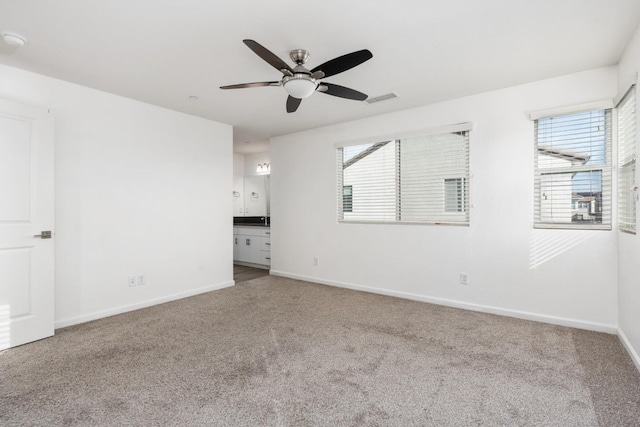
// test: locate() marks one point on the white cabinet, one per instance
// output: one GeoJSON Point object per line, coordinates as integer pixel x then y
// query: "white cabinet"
{"type": "Point", "coordinates": [265, 248]}
{"type": "Point", "coordinates": [252, 245]}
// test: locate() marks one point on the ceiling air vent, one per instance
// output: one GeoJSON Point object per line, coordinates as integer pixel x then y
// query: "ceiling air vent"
{"type": "Point", "coordinates": [381, 98]}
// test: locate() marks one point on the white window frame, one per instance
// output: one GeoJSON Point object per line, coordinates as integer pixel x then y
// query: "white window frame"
{"type": "Point", "coordinates": [443, 217]}
{"type": "Point", "coordinates": [604, 169]}
{"type": "Point", "coordinates": [627, 147]}
{"type": "Point", "coordinates": [460, 190]}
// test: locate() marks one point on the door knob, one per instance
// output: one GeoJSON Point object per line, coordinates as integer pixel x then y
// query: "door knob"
{"type": "Point", "coordinates": [44, 234]}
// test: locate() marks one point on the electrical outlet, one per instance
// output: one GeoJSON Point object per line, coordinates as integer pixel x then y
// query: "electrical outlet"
{"type": "Point", "coordinates": [464, 278]}
{"type": "Point", "coordinates": [133, 281]}
{"type": "Point", "coordinates": [316, 261]}
{"type": "Point", "coordinates": [141, 280]}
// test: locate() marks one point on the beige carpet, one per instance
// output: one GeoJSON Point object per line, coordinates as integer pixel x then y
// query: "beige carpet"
{"type": "Point", "coordinates": [281, 352]}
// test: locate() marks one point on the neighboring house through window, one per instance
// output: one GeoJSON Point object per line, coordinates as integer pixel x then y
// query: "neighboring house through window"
{"type": "Point", "coordinates": [347, 198]}
{"type": "Point", "coordinates": [573, 170]}
{"type": "Point", "coordinates": [417, 179]}
{"type": "Point", "coordinates": [454, 195]}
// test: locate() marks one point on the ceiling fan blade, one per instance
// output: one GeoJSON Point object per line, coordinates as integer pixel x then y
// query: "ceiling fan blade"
{"type": "Point", "coordinates": [341, 63]}
{"type": "Point", "coordinates": [341, 91]}
{"type": "Point", "coordinates": [293, 104]}
{"type": "Point", "coordinates": [246, 85]}
{"type": "Point", "coordinates": [268, 56]}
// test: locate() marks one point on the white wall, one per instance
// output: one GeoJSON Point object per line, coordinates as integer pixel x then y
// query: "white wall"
{"type": "Point", "coordinates": [561, 276]}
{"type": "Point", "coordinates": [252, 160]}
{"type": "Point", "coordinates": [238, 184]}
{"type": "Point", "coordinates": [139, 190]}
{"type": "Point", "coordinates": [238, 164]}
{"type": "Point", "coordinates": [628, 244]}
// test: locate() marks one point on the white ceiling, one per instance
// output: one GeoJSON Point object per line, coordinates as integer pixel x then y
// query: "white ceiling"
{"type": "Point", "coordinates": [163, 51]}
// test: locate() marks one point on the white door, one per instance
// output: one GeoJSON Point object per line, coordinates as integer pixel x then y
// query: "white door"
{"type": "Point", "coordinates": [26, 210]}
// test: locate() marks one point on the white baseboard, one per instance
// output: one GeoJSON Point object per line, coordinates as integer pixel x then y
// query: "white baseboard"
{"type": "Point", "coordinates": [126, 308]}
{"type": "Point", "coordinates": [627, 345]}
{"type": "Point", "coordinates": [591, 326]}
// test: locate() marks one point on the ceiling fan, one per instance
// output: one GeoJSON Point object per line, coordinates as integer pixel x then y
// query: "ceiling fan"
{"type": "Point", "coordinates": [300, 82]}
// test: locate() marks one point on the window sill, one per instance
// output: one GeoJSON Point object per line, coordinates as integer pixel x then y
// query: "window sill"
{"type": "Point", "coordinates": [464, 224]}
{"type": "Point", "coordinates": [573, 227]}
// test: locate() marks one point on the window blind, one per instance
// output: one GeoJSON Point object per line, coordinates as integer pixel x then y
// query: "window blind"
{"type": "Point", "coordinates": [627, 162]}
{"type": "Point", "coordinates": [420, 179]}
{"type": "Point", "coordinates": [573, 170]}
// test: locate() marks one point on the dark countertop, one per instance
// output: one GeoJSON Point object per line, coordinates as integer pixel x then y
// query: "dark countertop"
{"type": "Point", "coordinates": [251, 221]}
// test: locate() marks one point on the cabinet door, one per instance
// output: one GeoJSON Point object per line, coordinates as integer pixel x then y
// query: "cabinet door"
{"type": "Point", "coordinates": [265, 244]}
{"type": "Point", "coordinates": [236, 247]}
{"type": "Point", "coordinates": [254, 254]}
{"type": "Point", "coordinates": [243, 248]}
{"type": "Point", "coordinates": [265, 250]}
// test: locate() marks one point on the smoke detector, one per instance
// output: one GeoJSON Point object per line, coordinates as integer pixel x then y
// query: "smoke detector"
{"type": "Point", "coordinates": [14, 39]}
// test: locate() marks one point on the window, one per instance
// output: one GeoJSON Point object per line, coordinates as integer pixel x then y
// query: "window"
{"type": "Point", "coordinates": [347, 198]}
{"type": "Point", "coordinates": [573, 170]}
{"type": "Point", "coordinates": [418, 179]}
{"type": "Point", "coordinates": [454, 198]}
{"type": "Point", "coordinates": [627, 162]}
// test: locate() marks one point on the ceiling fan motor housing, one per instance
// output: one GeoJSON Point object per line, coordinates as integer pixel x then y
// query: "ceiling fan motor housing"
{"type": "Point", "coordinates": [299, 56]}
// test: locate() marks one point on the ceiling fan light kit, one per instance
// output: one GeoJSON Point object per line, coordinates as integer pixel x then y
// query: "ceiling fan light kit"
{"type": "Point", "coordinates": [300, 82]}
{"type": "Point", "coordinates": [299, 85]}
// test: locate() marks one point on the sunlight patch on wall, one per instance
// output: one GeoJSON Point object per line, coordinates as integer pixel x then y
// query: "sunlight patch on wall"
{"type": "Point", "coordinates": [544, 245]}
{"type": "Point", "coordinates": [5, 331]}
